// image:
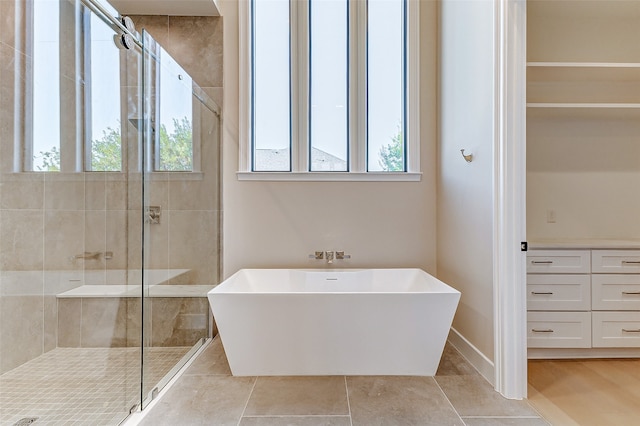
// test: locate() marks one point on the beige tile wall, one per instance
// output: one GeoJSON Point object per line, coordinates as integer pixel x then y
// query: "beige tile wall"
{"type": "Point", "coordinates": [188, 235]}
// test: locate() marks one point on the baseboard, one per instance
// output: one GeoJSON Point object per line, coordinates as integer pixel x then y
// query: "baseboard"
{"type": "Point", "coordinates": [477, 359]}
{"type": "Point", "coordinates": [586, 353]}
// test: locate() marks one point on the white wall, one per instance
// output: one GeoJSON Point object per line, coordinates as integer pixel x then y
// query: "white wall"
{"type": "Point", "coordinates": [583, 166]}
{"type": "Point", "coordinates": [277, 224]}
{"type": "Point", "coordinates": [465, 190]}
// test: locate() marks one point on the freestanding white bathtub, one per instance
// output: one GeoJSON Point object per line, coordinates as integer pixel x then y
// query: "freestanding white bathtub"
{"type": "Point", "coordinates": [282, 322]}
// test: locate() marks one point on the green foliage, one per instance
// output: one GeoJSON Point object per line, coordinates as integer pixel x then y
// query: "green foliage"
{"type": "Point", "coordinates": [50, 160]}
{"type": "Point", "coordinates": [392, 155]}
{"type": "Point", "coordinates": [176, 149]}
{"type": "Point", "coordinates": [106, 153]}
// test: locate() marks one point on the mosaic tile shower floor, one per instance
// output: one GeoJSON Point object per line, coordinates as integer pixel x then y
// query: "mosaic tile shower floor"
{"type": "Point", "coordinates": [80, 386]}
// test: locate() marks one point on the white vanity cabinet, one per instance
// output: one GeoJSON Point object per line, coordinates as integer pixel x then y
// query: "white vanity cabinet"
{"type": "Point", "coordinates": [583, 299]}
{"type": "Point", "coordinates": [559, 299]}
{"type": "Point", "coordinates": [615, 302]}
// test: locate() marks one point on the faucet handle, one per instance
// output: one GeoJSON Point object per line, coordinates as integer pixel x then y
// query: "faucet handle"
{"type": "Point", "coordinates": [341, 256]}
{"type": "Point", "coordinates": [318, 255]}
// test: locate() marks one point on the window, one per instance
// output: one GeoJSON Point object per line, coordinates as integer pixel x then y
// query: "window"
{"type": "Point", "coordinates": [44, 152]}
{"type": "Point", "coordinates": [81, 91]}
{"type": "Point", "coordinates": [331, 86]}
{"type": "Point", "coordinates": [76, 83]}
{"type": "Point", "coordinates": [174, 141]}
{"type": "Point", "coordinates": [103, 151]}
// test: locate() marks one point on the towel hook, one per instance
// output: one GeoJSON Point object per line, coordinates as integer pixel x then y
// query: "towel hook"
{"type": "Point", "coordinates": [468, 158]}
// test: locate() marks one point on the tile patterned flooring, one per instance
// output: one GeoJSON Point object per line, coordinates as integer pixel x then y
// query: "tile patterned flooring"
{"type": "Point", "coordinates": [80, 386]}
{"type": "Point", "coordinates": [207, 394]}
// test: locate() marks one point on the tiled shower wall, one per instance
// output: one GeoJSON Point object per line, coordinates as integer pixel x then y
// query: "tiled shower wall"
{"type": "Point", "coordinates": [45, 218]}
{"type": "Point", "coordinates": [189, 236]}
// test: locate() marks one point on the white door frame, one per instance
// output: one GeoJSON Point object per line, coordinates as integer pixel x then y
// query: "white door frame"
{"type": "Point", "coordinates": [509, 269]}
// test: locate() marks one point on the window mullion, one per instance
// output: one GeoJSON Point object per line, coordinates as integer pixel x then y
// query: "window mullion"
{"type": "Point", "coordinates": [86, 87]}
{"type": "Point", "coordinates": [299, 86]}
{"type": "Point", "coordinates": [358, 86]}
{"type": "Point", "coordinates": [412, 103]}
{"type": "Point", "coordinates": [245, 43]}
{"type": "Point", "coordinates": [71, 91]}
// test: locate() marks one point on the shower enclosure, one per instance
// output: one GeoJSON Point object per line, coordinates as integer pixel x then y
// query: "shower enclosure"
{"type": "Point", "coordinates": [109, 214]}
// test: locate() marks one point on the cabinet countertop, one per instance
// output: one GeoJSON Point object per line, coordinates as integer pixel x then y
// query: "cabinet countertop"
{"type": "Point", "coordinates": [584, 244]}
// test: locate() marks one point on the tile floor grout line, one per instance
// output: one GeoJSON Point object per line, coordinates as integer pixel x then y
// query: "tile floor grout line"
{"type": "Point", "coordinates": [448, 400]}
{"type": "Point", "coordinates": [534, 407]}
{"type": "Point", "coordinates": [246, 404]}
{"type": "Point", "coordinates": [346, 387]}
{"type": "Point", "coordinates": [286, 416]}
{"type": "Point", "coordinates": [500, 417]}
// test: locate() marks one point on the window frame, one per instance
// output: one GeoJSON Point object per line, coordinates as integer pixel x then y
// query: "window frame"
{"type": "Point", "coordinates": [76, 148]}
{"type": "Point", "coordinates": [155, 150]}
{"type": "Point", "coordinates": [357, 149]}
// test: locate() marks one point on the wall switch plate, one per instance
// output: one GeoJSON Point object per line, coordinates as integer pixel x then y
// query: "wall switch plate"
{"type": "Point", "coordinates": [551, 216]}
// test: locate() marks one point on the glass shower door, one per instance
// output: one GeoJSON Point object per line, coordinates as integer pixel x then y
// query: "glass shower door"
{"type": "Point", "coordinates": [180, 213]}
{"type": "Point", "coordinates": [69, 321]}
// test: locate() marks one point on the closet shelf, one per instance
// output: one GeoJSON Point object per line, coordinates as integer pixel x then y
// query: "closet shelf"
{"type": "Point", "coordinates": [583, 105]}
{"type": "Point", "coordinates": [584, 64]}
{"type": "Point", "coordinates": [557, 112]}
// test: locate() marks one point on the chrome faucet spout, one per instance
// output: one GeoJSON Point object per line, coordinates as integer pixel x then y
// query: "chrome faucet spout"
{"type": "Point", "coordinates": [87, 255]}
{"type": "Point", "coordinates": [329, 256]}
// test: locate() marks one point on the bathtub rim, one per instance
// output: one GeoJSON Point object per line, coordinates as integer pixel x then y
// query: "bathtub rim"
{"type": "Point", "coordinates": [226, 286]}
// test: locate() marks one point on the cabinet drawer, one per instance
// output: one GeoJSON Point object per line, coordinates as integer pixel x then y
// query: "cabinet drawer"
{"type": "Point", "coordinates": [615, 261]}
{"type": "Point", "coordinates": [615, 292]}
{"type": "Point", "coordinates": [563, 292]}
{"type": "Point", "coordinates": [559, 329]}
{"type": "Point", "coordinates": [616, 329]}
{"type": "Point", "coordinates": [559, 261]}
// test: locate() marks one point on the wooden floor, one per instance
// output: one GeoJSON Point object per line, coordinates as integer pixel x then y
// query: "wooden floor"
{"type": "Point", "coordinates": [586, 392]}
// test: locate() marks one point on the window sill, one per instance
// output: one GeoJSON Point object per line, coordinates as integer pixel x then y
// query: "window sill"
{"type": "Point", "coordinates": [100, 176]}
{"type": "Point", "coordinates": [330, 176]}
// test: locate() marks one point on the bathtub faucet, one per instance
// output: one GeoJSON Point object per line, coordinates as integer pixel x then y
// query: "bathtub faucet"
{"type": "Point", "coordinates": [330, 255]}
{"type": "Point", "coordinates": [92, 255]}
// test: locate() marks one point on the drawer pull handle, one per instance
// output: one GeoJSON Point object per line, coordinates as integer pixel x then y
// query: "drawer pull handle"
{"type": "Point", "coordinates": [631, 262]}
{"type": "Point", "coordinates": [544, 292]}
{"type": "Point", "coordinates": [631, 292]}
{"type": "Point", "coordinates": [542, 262]}
{"type": "Point", "coordinates": [544, 330]}
{"type": "Point", "coordinates": [635, 330]}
